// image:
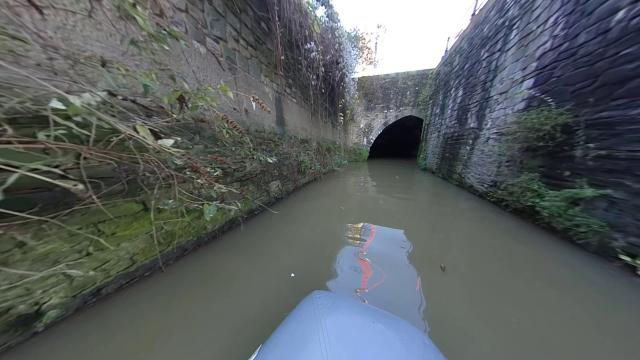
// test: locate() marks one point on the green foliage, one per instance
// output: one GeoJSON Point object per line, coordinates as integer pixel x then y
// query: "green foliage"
{"type": "Point", "coordinates": [209, 211]}
{"type": "Point", "coordinates": [148, 81]}
{"type": "Point", "coordinates": [314, 48]}
{"type": "Point", "coordinates": [358, 153]}
{"type": "Point", "coordinates": [305, 163]}
{"type": "Point", "coordinates": [533, 135]}
{"type": "Point", "coordinates": [316, 157]}
{"type": "Point", "coordinates": [364, 50]}
{"type": "Point", "coordinates": [225, 90]}
{"type": "Point", "coordinates": [158, 35]}
{"type": "Point", "coordinates": [561, 209]}
{"type": "Point", "coordinates": [539, 129]}
{"type": "Point", "coordinates": [202, 98]}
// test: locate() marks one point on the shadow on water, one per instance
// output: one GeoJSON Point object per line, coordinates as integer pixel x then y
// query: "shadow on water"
{"type": "Point", "coordinates": [374, 267]}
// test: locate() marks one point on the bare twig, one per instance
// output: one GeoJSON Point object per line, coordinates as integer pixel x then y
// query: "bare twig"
{"type": "Point", "coordinates": [14, 213]}
{"type": "Point", "coordinates": [153, 226]}
{"type": "Point", "coordinates": [35, 275]}
{"type": "Point", "coordinates": [89, 189]}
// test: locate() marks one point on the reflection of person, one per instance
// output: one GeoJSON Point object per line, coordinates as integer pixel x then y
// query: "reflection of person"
{"type": "Point", "coordinates": [375, 268]}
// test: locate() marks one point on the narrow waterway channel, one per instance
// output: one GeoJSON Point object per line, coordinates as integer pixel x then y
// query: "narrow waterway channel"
{"type": "Point", "coordinates": [493, 286]}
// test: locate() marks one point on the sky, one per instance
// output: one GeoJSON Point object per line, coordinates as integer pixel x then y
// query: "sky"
{"type": "Point", "coordinates": [416, 30]}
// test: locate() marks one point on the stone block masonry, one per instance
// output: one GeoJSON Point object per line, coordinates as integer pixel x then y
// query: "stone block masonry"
{"type": "Point", "coordinates": [518, 56]}
{"type": "Point", "coordinates": [383, 99]}
{"type": "Point", "coordinates": [224, 41]}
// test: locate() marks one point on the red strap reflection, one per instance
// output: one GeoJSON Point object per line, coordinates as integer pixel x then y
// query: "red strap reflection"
{"type": "Point", "coordinates": [366, 266]}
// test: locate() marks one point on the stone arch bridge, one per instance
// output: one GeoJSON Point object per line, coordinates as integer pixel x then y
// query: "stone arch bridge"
{"type": "Point", "coordinates": [388, 106]}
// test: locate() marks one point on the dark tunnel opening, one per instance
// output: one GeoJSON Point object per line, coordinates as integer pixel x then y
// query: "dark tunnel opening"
{"type": "Point", "coordinates": [401, 139]}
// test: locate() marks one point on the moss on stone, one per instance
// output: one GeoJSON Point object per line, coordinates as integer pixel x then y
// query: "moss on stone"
{"type": "Point", "coordinates": [357, 153]}
{"type": "Point", "coordinates": [71, 268]}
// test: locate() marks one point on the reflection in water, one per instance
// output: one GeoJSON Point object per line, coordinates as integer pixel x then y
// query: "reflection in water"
{"type": "Point", "coordinates": [375, 268]}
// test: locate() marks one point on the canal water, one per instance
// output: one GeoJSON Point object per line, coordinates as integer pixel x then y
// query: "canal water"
{"type": "Point", "coordinates": [483, 283]}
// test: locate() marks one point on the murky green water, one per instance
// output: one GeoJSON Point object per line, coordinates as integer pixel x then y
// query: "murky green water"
{"type": "Point", "coordinates": [509, 289]}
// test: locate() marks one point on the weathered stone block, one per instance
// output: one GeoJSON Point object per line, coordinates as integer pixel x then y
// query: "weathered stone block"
{"type": "Point", "coordinates": [216, 24]}
{"type": "Point", "coordinates": [195, 30]}
{"type": "Point", "coordinates": [218, 5]}
{"type": "Point", "coordinates": [243, 63]}
{"type": "Point", "coordinates": [246, 32]}
{"type": "Point", "coordinates": [254, 68]}
{"type": "Point", "coordinates": [233, 21]}
{"type": "Point", "coordinates": [232, 34]}
{"type": "Point", "coordinates": [195, 9]}
{"type": "Point", "coordinates": [242, 43]}
{"type": "Point", "coordinates": [229, 54]}
{"type": "Point", "coordinates": [214, 47]}
{"type": "Point", "coordinates": [196, 4]}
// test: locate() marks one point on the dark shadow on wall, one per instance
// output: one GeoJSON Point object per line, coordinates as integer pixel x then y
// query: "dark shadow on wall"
{"type": "Point", "coordinates": [401, 139]}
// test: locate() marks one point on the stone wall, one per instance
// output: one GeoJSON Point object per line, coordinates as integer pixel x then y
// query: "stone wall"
{"type": "Point", "coordinates": [383, 99]}
{"type": "Point", "coordinates": [225, 41]}
{"type": "Point", "coordinates": [515, 56]}
{"type": "Point", "coordinates": [131, 136]}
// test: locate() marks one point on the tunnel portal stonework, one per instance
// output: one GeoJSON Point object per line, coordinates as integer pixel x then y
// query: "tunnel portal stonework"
{"type": "Point", "coordinates": [384, 99]}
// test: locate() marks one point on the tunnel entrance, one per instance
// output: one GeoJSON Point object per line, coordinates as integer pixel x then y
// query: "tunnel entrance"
{"type": "Point", "coordinates": [401, 139]}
